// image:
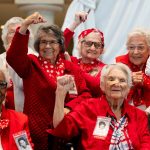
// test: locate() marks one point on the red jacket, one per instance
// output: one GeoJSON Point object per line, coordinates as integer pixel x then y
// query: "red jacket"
{"type": "Point", "coordinates": [83, 119]}
{"type": "Point", "coordinates": [93, 82]}
{"type": "Point", "coordinates": [39, 88]}
{"type": "Point", "coordinates": [137, 93]}
{"type": "Point", "coordinates": [17, 122]}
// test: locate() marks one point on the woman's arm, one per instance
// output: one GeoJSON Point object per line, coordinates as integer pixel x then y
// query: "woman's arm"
{"type": "Point", "coordinates": [35, 18]}
{"type": "Point", "coordinates": [64, 84]}
{"type": "Point", "coordinates": [17, 56]}
{"type": "Point", "coordinates": [68, 32]}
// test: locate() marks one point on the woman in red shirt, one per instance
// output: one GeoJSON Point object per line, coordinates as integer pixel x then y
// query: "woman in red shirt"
{"type": "Point", "coordinates": [39, 75]}
{"type": "Point", "coordinates": [12, 124]}
{"type": "Point", "coordinates": [121, 130]}
{"type": "Point", "coordinates": [90, 46]}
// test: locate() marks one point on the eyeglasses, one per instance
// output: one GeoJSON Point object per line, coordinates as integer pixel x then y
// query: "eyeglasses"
{"type": "Point", "coordinates": [138, 47]}
{"type": "Point", "coordinates": [97, 45]}
{"type": "Point", "coordinates": [3, 85]}
{"type": "Point", "coordinates": [52, 43]}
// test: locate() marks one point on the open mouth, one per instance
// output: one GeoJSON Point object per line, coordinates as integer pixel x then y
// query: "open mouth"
{"type": "Point", "coordinates": [115, 90]}
{"type": "Point", "coordinates": [49, 52]}
{"type": "Point", "coordinates": [91, 52]}
{"type": "Point", "coordinates": [137, 57]}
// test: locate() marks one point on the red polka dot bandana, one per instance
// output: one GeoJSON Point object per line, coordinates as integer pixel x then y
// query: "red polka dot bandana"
{"type": "Point", "coordinates": [88, 31]}
{"type": "Point", "coordinates": [53, 70]}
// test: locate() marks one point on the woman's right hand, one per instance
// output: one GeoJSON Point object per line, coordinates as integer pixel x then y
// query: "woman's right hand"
{"type": "Point", "coordinates": [78, 19]}
{"type": "Point", "coordinates": [35, 18]}
{"type": "Point", "coordinates": [65, 83]}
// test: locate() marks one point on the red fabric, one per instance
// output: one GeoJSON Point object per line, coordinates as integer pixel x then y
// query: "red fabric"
{"type": "Point", "coordinates": [139, 94]}
{"type": "Point", "coordinates": [93, 83]}
{"type": "Point", "coordinates": [53, 70]}
{"type": "Point", "coordinates": [17, 122]}
{"type": "Point", "coordinates": [39, 88]}
{"type": "Point", "coordinates": [83, 120]}
{"type": "Point", "coordinates": [9, 103]}
{"type": "Point", "coordinates": [68, 34]}
{"type": "Point", "coordinates": [88, 31]}
{"type": "Point", "coordinates": [4, 123]}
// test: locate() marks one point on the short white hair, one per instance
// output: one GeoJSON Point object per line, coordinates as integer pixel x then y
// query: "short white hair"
{"type": "Point", "coordinates": [14, 20]}
{"type": "Point", "coordinates": [107, 68]}
{"type": "Point", "coordinates": [140, 32]}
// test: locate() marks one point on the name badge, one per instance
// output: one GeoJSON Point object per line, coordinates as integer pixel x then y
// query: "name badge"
{"type": "Point", "coordinates": [101, 127]}
{"type": "Point", "coordinates": [22, 141]}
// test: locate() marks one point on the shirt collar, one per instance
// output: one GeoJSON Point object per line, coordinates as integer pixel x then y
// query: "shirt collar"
{"type": "Point", "coordinates": [126, 108]}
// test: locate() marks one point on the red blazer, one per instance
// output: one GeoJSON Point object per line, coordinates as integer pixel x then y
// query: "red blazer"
{"type": "Point", "coordinates": [83, 119]}
{"type": "Point", "coordinates": [39, 88]}
{"type": "Point", "coordinates": [17, 122]}
{"type": "Point", "coordinates": [137, 91]}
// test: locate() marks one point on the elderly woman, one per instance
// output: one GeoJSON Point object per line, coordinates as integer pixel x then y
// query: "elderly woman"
{"type": "Point", "coordinates": [12, 124]}
{"type": "Point", "coordinates": [15, 86]}
{"type": "Point", "coordinates": [122, 129]}
{"type": "Point", "coordinates": [138, 46]}
{"type": "Point", "coordinates": [90, 47]}
{"type": "Point", "coordinates": [39, 75]}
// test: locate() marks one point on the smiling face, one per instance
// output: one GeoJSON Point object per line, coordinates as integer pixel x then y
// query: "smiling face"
{"type": "Point", "coordinates": [116, 85]}
{"type": "Point", "coordinates": [138, 50]}
{"type": "Point", "coordinates": [88, 51]}
{"type": "Point", "coordinates": [49, 47]}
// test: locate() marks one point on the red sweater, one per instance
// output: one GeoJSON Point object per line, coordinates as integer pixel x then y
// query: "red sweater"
{"type": "Point", "coordinates": [137, 93]}
{"type": "Point", "coordinates": [93, 82]}
{"type": "Point", "coordinates": [83, 119]}
{"type": "Point", "coordinates": [17, 123]}
{"type": "Point", "coordinates": [39, 88]}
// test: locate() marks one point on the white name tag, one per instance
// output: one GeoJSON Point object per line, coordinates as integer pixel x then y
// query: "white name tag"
{"type": "Point", "coordinates": [101, 127]}
{"type": "Point", "coordinates": [22, 141]}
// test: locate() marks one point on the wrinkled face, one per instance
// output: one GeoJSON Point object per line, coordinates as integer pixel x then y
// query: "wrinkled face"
{"type": "Point", "coordinates": [91, 46]}
{"type": "Point", "coordinates": [49, 47]}
{"type": "Point", "coordinates": [3, 87]}
{"type": "Point", "coordinates": [116, 86]}
{"type": "Point", "coordinates": [11, 32]}
{"type": "Point", "coordinates": [138, 50]}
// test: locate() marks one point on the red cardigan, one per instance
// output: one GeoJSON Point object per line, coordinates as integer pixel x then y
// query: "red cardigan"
{"type": "Point", "coordinates": [83, 119]}
{"type": "Point", "coordinates": [145, 88]}
{"type": "Point", "coordinates": [17, 122]}
{"type": "Point", "coordinates": [39, 88]}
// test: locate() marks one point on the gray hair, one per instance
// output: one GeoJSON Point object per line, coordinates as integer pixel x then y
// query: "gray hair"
{"type": "Point", "coordinates": [107, 68]}
{"type": "Point", "coordinates": [13, 20]}
{"type": "Point", "coordinates": [49, 29]}
{"type": "Point", "coordinates": [140, 32]}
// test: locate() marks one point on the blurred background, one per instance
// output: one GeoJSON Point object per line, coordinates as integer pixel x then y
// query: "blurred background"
{"type": "Point", "coordinates": [115, 18]}
{"type": "Point", "coordinates": [54, 9]}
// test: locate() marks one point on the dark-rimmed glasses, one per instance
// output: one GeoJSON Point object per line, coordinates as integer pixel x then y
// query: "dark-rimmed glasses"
{"type": "Point", "coordinates": [52, 42]}
{"type": "Point", "coordinates": [97, 45]}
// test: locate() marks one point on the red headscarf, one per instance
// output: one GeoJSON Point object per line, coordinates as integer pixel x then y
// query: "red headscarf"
{"type": "Point", "coordinates": [87, 31]}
